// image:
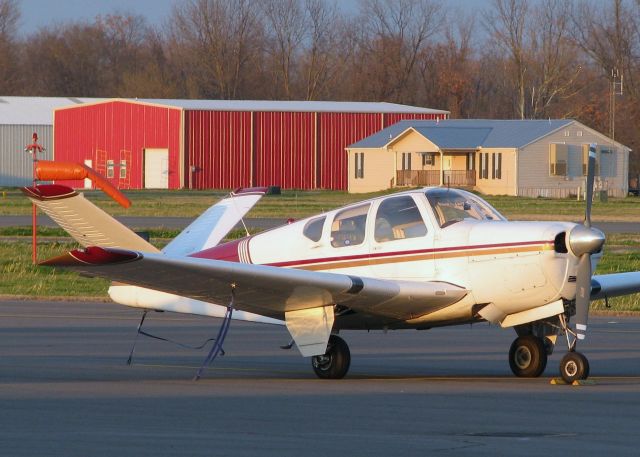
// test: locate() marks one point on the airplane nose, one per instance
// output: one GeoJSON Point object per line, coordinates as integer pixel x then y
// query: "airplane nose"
{"type": "Point", "coordinates": [583, 240]}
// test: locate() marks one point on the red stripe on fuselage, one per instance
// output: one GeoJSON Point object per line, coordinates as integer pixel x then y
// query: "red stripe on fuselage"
{"type": "Point", "coordinates": [229, 252]}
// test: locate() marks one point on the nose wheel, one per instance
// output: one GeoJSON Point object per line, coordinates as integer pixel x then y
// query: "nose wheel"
{"type": "Point", "coordinates": [574, 366]}
{"type": "Point", "coordinates": [334, 363]}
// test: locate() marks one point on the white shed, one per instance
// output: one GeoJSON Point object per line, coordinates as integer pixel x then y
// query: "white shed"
{"type": "Point", "coordinates": [20, 118]}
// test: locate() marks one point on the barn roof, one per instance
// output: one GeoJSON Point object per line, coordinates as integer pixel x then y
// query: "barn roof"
{"type": "Point", "coordinates": [34, 110]}
{"type": "Point", "coordinates": [296, 106]}
{"type": "Point", "coordinates": [468, 133]}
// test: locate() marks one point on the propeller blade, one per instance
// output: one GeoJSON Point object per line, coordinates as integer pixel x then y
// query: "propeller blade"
{"type": "Point", "coordinates": [591, 168]}
{"type": "Point", "coordinates": [583, 295]}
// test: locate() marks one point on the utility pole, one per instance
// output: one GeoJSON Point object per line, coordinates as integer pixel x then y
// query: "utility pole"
{"type": "Point", "coordinates": [614, 89]}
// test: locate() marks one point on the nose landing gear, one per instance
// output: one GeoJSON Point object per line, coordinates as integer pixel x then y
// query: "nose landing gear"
{"type": "Point", "coordinates": [574, 366]}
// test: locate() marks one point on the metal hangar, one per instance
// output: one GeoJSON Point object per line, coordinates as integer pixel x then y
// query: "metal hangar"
{"type": "Point", "coordinates": [206, 144]}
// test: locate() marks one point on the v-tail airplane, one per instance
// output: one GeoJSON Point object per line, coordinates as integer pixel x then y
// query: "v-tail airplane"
{"type": "Point", "coordinates": [417, 259]}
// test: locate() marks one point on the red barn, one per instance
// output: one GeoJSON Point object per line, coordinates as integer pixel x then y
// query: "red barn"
{"type": "Point", "coordinates": [205, 144]}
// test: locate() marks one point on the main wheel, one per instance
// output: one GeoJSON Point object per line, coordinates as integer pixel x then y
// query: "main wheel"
{"type": "Point", "coordinates": [334, 364]}
{"type": "Point", "coordinates": [527, 356]}
{"type": "Point", "coordinates": [574, 366]}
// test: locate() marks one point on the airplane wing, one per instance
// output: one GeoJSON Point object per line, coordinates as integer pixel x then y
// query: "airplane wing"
{"type": "Point", "coordinates": [212, 225]}
{"type": "Point", "coordinates": [615, 284]}
{"type": "Point", "coordinates": [84, 221]}
{"type": "Point", "coordinates": [261, 289]}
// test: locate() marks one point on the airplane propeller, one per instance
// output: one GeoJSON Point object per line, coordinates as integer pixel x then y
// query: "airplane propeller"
{"type": "Point", "coordinates": [584, 241]}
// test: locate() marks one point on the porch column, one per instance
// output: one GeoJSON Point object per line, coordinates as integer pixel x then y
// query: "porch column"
{"type": "Point", "coordinates": [441, 167]}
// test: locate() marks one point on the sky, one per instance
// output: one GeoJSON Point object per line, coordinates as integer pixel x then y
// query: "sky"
{"type": "Point", "coordinates": [38, 14]}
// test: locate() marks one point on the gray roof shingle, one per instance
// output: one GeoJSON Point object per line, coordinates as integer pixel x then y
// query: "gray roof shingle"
{"type": "Point", "coordinates": [469, 133]}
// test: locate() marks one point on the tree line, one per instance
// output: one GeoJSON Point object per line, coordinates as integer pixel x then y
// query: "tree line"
{"type": "Point", "coordinates": [511, 59]}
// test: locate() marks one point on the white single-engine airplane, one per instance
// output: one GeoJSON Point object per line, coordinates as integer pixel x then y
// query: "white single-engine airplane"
{"type": "Point", "coordinates": [417, 259]}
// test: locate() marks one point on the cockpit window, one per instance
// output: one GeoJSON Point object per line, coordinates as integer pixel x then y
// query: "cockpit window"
{"type": "Point", "coordinates": [313, 229]}
{"type": "Point", "coordinates": [348, 227]}
{"type": "Point", "coordinates": [398, 218]}
{"type": "Point", "coordinates": [451, 206]}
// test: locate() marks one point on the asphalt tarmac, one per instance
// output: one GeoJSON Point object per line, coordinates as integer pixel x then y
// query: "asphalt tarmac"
{"type": "Point", "coordinates": [65, 390]}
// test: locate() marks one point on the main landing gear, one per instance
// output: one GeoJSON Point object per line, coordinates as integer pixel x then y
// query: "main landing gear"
{"type": "Point", "coordinates": [529, 351]}
{"type": "Point", "coordinates": [334, 363]}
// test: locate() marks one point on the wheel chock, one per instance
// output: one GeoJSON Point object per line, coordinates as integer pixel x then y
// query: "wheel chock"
{"type": "Point", "coordinates": [577, 382]}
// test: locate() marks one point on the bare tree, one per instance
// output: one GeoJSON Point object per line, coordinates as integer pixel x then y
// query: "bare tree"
{"type": "Point", "coordinates": [216, 41]}
{"type": "Point", "coordinates": [123, 39]}
{"type": "Point", "coordinates": [506, 23]}
{"type": "Point", "coordinates": [554, 63]}
{"type": "Point", "coordinates": [9, 16]}
{"type": "Point", "coordinates": [447, 68]}
{"type": "Point", "coordinates": [286, 25]}
{"type": "Point", "coordinates": [326, 54]}
{"type": "Point", "coordinates": [393, 34]}
{"type": "Point", "coordinates": [610, 35]}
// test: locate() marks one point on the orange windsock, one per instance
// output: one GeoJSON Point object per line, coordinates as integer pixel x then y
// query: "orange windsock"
{"type": "Point", "coordinates": [47, 170]}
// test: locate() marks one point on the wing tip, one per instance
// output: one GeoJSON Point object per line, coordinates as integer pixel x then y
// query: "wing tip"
{"type": "Point", "coordinates": [48, 192]}
{"type": "Point", "coordinates": [92, 255]}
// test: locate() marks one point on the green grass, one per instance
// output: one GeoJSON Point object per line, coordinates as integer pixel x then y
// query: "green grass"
{"type": "Point", "coordinates": [621, 254]}
{"type": "Point", "coordinates": [298, 204]}
{"type": "Point", "coordinates": [21, 277]}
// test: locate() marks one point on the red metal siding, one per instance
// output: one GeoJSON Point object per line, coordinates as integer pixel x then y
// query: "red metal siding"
{"type": "Point", "coordinates": [336, 132]}
{"type": "Point", "coordinates": [284, 149]}
{"type": "Point", "coordinates": [108, 131]}
{"type": "Point", "coordinates": [218, 144]}
{"type": "Point", "coordinates": [392, 118]}
{"type": "Point", "coordinates": [339, 130]}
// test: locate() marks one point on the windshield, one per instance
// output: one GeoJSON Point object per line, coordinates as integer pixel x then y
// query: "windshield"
{"type": "Point", "coordinates": [452, 205]}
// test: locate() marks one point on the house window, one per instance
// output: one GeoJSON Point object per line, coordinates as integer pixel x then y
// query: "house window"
{"type": "Point", "coordinates": [484, 165]}
{"type": "Point", "coordinates": [579, 133]}
{"type": "Point", "coordinates": [496, 172]}
{"type": "Point", "coordinates": [359, 165]}
{"type": "Point", "coordinates": [110, 167]}
{"type": "Point", "coordinates": [123, 169]}
{"type": "Point", "coordinates": [427, 158]}
{"type": "Point", "coordinates": [566, 133]}
{"type": "Point", "coordinates": [471, 161]}
{"type": "Point", "coordinates": [406, 161]}
{"type": "Point", "coordinates": [493, 168]}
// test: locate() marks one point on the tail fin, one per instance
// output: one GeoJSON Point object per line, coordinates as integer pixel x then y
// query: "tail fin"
{"type": "Point", "coordinates": [84, 221]}
{"type": "Point", "coordinates": [212, 225]}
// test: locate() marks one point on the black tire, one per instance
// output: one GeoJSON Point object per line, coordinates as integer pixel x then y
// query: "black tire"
{"type": "Point", "coordinates": [574, 366]}
{"type": "Point", "coordinates": [334, 364]}
{"type": "Point", "coordinates": [527, 356]}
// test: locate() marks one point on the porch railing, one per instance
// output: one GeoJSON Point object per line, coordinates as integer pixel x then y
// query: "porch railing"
{"type": "Point", "coordinates": [432, 177]}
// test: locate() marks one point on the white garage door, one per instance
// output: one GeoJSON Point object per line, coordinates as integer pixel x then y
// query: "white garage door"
{"type": "Point", "coordinates": [156, 168]}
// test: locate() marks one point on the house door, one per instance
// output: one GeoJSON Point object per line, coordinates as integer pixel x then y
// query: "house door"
{"type": "Point", "coordinates": [87, 181]}
{"type": "Point", "coordinates": [156, 168]}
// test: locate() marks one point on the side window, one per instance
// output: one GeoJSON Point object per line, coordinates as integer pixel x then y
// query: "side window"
{"type": "Point", "coordinates": [313, 229]}
{"type": "Point", "coordinates": [349, 225]}
{"type": "Point", "coordinates": [398, 218]}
